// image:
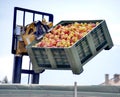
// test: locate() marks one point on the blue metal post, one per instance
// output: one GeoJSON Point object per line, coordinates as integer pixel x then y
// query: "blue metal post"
{"type": "Point", "coordinates": [17, 69]}
{"type": "Point", "coordinates": [35, 78]}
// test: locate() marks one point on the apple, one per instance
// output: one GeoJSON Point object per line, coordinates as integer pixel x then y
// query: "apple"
{"type": "Point", "coordinates": [66, 35]}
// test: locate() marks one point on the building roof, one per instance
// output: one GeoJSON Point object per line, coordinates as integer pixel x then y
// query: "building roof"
{"type": "Point", "coordinates": [18, 90]}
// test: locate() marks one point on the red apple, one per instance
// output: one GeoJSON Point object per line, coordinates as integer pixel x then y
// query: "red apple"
{"type": "Point", "coordinates": [65, 36]}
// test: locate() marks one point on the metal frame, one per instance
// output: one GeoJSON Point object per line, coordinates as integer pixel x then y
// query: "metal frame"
{"type": "Point", "coordinates": [17, 68]}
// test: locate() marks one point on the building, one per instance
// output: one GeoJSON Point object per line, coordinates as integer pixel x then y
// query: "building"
{"type": "Point", "coordinates": [112, 81]}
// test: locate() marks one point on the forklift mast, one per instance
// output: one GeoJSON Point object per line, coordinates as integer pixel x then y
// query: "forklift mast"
{"type": "Point", "coordinates": [23, 17]}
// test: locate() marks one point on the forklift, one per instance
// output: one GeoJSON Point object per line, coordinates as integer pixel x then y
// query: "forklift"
{"type": "Point", "coordinates": [32, 29]}
{"type": "Point", "coordinates": [23, 34]}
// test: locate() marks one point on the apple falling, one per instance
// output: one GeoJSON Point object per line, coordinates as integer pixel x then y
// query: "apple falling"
{"type": "Point", "coordinates": [65, 35]}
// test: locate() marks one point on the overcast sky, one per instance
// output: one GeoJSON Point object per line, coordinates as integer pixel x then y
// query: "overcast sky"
{"type": "Point", "coordinates": [105, 62]}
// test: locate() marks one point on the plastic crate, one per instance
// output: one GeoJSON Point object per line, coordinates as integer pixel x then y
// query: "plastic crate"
{"type": "Point", "coordinates": [74, 57]}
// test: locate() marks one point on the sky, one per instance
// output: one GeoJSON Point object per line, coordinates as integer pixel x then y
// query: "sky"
{"type": "Point", "coordinates": [106, 62]}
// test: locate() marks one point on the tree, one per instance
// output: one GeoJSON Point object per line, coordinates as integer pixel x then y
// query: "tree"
{"type": "Point", "coordinates": [5, 80]}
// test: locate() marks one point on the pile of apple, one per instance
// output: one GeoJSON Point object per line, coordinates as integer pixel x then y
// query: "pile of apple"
{"type": "Point", "coordinates": [65, 35]}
